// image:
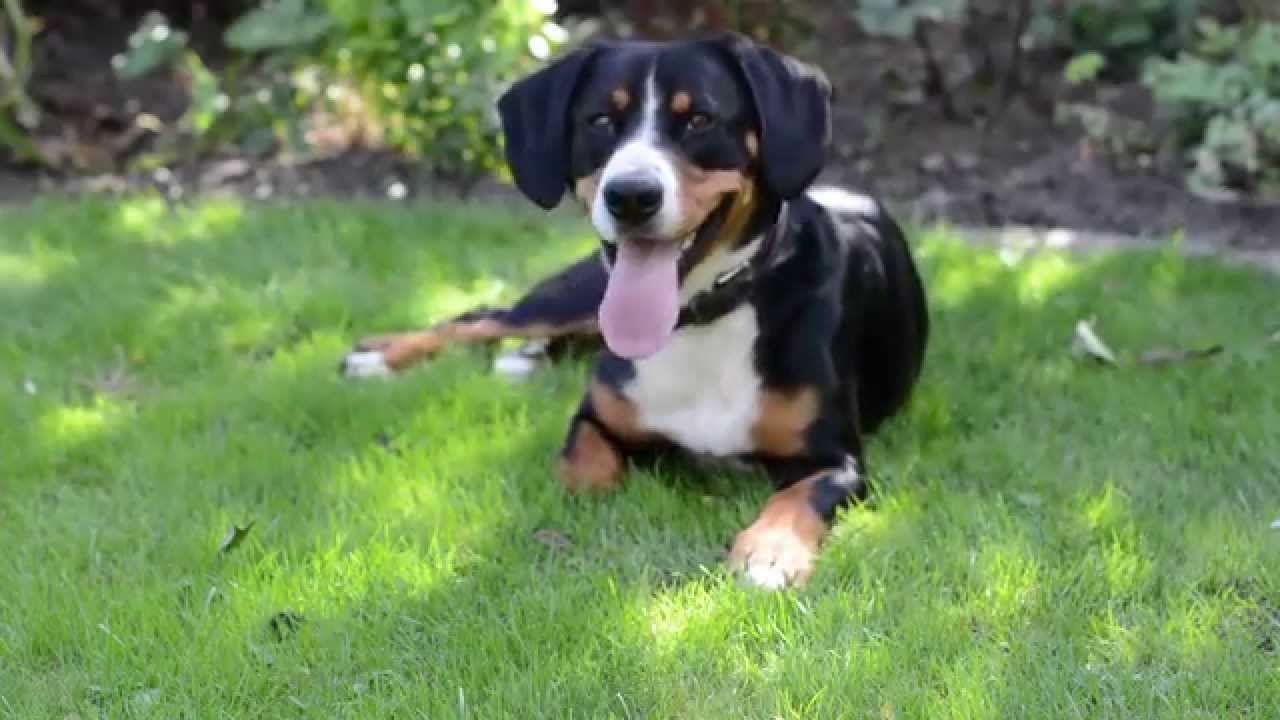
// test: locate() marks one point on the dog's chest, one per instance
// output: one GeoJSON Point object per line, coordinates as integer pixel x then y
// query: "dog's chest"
{"type": "Point", "coordinates": [702, 390]}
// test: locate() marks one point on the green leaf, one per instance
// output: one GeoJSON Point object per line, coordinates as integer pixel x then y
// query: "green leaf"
{"type": "Point", "coordinates": [1262, 52]}
{"type": "Point", "coordinates": [277, 25]}
{"type": "Point", "coordinates": [208, 102]}
{"type": "Point", "coordinates": [153, 45]}
{"type": "Point", "coordinates": [1084, 68]}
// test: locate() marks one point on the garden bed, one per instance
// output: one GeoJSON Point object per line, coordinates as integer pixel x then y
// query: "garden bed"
{"type": "Point", "coordinates": [1022, 169]}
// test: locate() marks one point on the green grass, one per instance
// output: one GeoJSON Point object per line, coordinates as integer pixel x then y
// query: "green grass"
{"type": "Point", "coordinates": [1051, 539]}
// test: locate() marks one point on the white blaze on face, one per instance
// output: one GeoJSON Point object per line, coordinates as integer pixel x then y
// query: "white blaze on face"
{"type": "Point", "coordinates": [640, 155]}
{"type": "Point", "coordinates": [641, 304]}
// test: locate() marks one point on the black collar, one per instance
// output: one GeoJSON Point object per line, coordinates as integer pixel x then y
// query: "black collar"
{"type": "Point", "coordinates": [734, 285]}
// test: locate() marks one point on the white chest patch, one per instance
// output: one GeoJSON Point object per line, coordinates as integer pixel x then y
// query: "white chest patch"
{"type": "Point", "coordinates": [701, 391]}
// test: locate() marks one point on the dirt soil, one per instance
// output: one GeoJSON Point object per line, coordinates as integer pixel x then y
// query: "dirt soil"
{"type": "Point", "coordinates": [1019, 168]}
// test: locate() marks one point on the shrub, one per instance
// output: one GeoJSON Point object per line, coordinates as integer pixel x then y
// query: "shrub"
{"type": "Point", "coordinates": [1224, 97]}
{"type": "Point", "coordinates": [18, 113]}
{"type": "Point", "coordinates": [781, 23]}
{"type": "Point", "coordinates": [1099, 36]}
{"type": "Point", "coordinates": [419, 76]}
{"type": "Point", "coordinates": [1127, 32]}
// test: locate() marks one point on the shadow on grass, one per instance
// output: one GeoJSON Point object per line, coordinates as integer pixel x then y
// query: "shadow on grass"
{"type": "Point", "coordinates": [414, 525]}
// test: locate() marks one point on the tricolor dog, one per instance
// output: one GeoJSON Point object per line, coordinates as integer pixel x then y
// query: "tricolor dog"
{"type": "Point", "coordinates": [745, 315]}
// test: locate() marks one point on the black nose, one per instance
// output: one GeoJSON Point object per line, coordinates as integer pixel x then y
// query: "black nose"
{"type": "Point", "coordinates": [633, 199]}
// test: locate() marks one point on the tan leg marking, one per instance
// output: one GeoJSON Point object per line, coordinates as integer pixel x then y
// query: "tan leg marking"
{"type": "Point", "coordinates": [784, 419]}
{"type": "Point", "coordinates": [592, 464]}
{"type": "Point", "coordinates": [403, 350]}
{"type": "Point", "coordinates": [779, 548]}
{"type": "Point", "coordinates": [617, 414]}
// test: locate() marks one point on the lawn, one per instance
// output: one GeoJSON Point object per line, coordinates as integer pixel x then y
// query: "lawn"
{"type": "Point", "coordinates": [1050, 538]}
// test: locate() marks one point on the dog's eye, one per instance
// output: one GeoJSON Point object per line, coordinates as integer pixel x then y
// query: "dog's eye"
{"type": "Point", "coordinates": [602, 121]}
{"type": "Point", "coordinates": [699, 121]}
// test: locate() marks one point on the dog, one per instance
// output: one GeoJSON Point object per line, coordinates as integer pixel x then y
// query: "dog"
{"type": "Point", "coordinates": [745, 314]}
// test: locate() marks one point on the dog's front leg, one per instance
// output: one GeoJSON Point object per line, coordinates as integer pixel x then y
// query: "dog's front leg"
{"type": "Point", "coordinates": [591, 461]}
{"type": "Point", "coordinates": [600, 436]}
{"type": "Point", "coordinates": [779, 548]}
{"type": "Point", "coordinates": [563, 305]}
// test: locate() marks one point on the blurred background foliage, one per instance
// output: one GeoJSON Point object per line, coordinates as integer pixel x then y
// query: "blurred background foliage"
{"type": "Point", "coordinates": [418, 76]}
{"type": "Point", "coordinates": [315, 77]}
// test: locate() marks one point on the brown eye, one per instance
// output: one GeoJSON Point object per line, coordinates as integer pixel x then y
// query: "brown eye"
{"type": "Point", "coordinates": [602, 121]}
{"type": "Point", "coordinates": [699, 121]}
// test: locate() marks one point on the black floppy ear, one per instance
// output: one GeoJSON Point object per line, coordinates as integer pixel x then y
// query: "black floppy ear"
{"type": "Point", "coordinates": [535, 123]}
{"type": "Point", "coordinates": [793, 101]}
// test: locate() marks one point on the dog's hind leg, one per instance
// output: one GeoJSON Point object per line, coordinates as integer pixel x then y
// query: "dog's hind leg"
{"type": "Point", "coordinates": [560, 306]}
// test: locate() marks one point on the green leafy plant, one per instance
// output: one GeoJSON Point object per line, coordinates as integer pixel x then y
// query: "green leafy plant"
{"type": "Point", "coordinates": [900, 18]}
{"type": "Point", "coordinates": [1224, 97]}
{"type": "Point", "coordinates": [157, 45]}
{"type": "Point", "coordinates": [419, 76]}
{"type": "Point", "coordinates": [1127, 32]}
{"type": "Point", "coordinates": [19, 114]}
{"type": "Point", "coordinates": [153, 45]}
{"type": "Point", "coordinates": [279, 25]}
{"type": "Point", "coordinates": [428, 72]}
{"type": "Point", "coordinates": [1084, 68]}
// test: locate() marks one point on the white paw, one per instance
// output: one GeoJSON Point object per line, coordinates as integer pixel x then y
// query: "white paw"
{"type": "Point", "coordinates": [773, 559]}
{"type": "Point", "coordinates": [766, 576]}
{"type": "Point", "coordinates": [520, 363]}
{"type": "Point", "coordinates": [365, 365]}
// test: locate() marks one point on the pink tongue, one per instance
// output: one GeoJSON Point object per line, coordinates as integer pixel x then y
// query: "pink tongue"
{"type": "Point", "coordinates": [642, 302]}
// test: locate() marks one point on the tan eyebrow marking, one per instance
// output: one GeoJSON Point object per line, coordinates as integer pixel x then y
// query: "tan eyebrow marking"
{"type": "Point", "coordinates": [620, 98]}
{"type": "Point", "coordinates": [681, 102]}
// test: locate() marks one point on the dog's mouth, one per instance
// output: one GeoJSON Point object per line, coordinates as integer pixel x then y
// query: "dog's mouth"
{"type": "Point", "coordinates": [641, 306]}
{"type": "Point", "coordinates": [642, 299]}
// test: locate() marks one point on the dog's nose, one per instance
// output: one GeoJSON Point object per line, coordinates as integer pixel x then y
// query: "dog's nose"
{"type": "Point", "coordinates": [633, 199]}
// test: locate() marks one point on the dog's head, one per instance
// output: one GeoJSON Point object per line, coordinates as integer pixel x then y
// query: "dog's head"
{"type": "Point", "coordinates": [674, 149]}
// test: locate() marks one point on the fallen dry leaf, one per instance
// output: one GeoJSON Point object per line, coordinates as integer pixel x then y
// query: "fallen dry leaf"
{"type": "Point", "coordinates": [234, 537]}
{"type": "Point", "coordinates": [1031, 500]}
{"type": "Point", "coordinates": [553, 539]}
{"type": "Point", "coordinates": [1086, 342]}
{"type": "Point", "coordinates": [1163, 356]}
